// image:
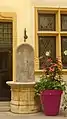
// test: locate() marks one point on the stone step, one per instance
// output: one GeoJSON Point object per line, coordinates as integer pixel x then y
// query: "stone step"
{"type": "Point", "coordinates": [4, 106]}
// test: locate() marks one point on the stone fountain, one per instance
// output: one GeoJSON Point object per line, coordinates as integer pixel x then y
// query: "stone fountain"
{"type": "Point", "coordinates": [22, 90]}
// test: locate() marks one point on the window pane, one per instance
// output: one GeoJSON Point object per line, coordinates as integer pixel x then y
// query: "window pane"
{"type": "Point", "coordinates": [64, 22]}
{"type": "Point", "coordinates": [46, 22]}
{"type": "Point", "coordinates": [5, 34]}
{"type": "Point", "coordinates": [47, 45]}
{"type": "Point", "coordinates": [64, 51]}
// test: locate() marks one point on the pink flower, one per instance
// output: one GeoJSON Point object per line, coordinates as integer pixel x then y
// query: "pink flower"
{"type": "Point", "coordinates": [49, 60]}
{"type": "Point", "coordinates": [51, 69]}
{"type": "Point", "coordinates": [54, 64]}
{"type": "Point", "coordinates": [43, 66]}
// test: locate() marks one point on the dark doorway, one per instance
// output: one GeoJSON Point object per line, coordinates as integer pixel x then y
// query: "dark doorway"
{"type": "Point", "coordinates": [5, 59]}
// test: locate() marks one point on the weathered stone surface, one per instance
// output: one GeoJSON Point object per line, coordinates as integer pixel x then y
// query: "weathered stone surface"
{"type": "Point", "coordinates": [22, 99]}
{"type": "Point", "coordinates": [22, 90]}
{"type": "Point", "coordinates": [25, 63]}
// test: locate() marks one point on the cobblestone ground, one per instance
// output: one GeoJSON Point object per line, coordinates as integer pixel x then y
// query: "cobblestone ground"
{"type": "Point", "coordinates": [9, 115]}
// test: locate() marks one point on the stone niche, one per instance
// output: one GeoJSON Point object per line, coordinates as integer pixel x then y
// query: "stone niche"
{"type": "Point", "coordinates": [22, 90]}
{"type": "Point", "coordinates": [25, 63]}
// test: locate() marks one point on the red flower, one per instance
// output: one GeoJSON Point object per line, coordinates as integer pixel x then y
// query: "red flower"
{"type": "Point", "coordinates": [49, 60]}
{"type": "Point", "coordinates": [51, 69]}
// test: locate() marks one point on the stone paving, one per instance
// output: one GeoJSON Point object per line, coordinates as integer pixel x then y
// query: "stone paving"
{"type": "Point", "coordinates": [9, 115]}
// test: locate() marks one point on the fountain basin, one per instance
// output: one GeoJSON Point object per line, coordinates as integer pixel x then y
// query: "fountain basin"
{"type": "Point", "coordinates": [22, 97]}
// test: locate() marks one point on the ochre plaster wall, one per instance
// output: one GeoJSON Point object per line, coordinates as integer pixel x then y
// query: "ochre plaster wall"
{"type": "Point", "coordinates": [24, 10]}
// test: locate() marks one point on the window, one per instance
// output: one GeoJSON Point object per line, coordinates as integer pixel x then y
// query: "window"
{"type": "Point", "coordinates": [46, 22]}
{"type": "Point", "coordinates": [8, 35]}
{"type": "Point", "coordinates": [5, 34]}
{"type": "Point", "coordinates": [50, 35]}
{"type": "Point", "coordinates": [46, 44]}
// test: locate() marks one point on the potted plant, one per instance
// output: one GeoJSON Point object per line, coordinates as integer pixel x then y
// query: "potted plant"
{"type": "Point", "coordinates": [64, 104]}
{"type": "Point", "coordinates": [50, 86]}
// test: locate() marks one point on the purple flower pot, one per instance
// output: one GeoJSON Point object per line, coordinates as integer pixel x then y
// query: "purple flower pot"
{"type": "Point", "coordinates": [50, 100]}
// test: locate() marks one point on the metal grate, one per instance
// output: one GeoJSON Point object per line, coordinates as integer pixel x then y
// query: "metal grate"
{"type": "Point", "coordinates": [46, 22]}
{"type": "Point", "coordinates": [5, 34]}
{"type": "Point", "coordinates": [63, 22]}
{"type": "Point", "coordinates": [47, 44]}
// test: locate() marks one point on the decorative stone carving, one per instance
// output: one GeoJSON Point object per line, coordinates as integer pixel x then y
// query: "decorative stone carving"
{"type": "Point", "coordinates": [25, 63]}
